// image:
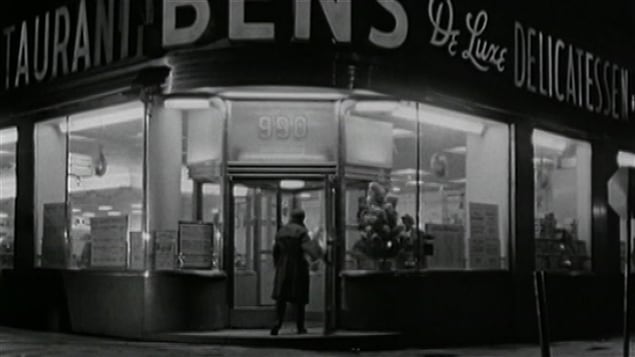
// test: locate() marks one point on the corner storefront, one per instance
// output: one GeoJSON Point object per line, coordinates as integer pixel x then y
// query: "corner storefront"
{"type": "Point", "coordinates": [442, 150]}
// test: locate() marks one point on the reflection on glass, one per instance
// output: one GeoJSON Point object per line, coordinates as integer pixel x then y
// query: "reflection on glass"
{"type": "Point", "coordinates": [8, 143]}
{"type": "Point", "coordinates": [426, 188]}
{"type": "Point", "coordinates": [562, 188]}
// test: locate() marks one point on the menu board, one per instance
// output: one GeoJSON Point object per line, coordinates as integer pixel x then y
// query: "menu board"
{"type": "Point", "coordinates": [165, 246]}
{"type": "Point", "coordinates": [54, 235]}
{"type": "Point", "coordinates": [484, 242]}
{"type": "Point", "coordinates": [293, 132]}
{"type": "Point", "coordinates": [137, 251]}
{"type": "Point", "coordinates": [109, 246]}
{"type": "Point", "coordinates": [449, 246]}
{"type": "Point", "coordinates": [196, 244]}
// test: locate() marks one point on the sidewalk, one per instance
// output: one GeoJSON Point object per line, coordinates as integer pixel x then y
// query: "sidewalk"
{"type": "Point", "coordinates": [14, 343]}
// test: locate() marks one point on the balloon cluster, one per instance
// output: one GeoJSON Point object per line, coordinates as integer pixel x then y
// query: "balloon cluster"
{"type": "Point", "coordinates": [379, 224]}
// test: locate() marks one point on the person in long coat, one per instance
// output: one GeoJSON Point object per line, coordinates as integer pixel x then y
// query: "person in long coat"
{"type": "Point", "coordinates": [291, 281]}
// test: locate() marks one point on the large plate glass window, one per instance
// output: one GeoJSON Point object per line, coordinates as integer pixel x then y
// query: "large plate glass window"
{"type": "Point", "coordinates": [185, 206]}
{"type": "Point", "coordinates": [562, 204]}
{"type": "Point", "coordinates": [105, 185]}
{"type": "Point", "coordinates": [435, 180]}
{"type": "Point", "coordinates": [51, 214]}
{"type": "Point", "coordinates": [8, 140]}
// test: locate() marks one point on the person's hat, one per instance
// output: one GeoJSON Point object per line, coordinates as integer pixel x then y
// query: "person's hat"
{"type": "Point", "coordinates": [406, 218]}
{"type": "Point", "coordinates": [297, 215]}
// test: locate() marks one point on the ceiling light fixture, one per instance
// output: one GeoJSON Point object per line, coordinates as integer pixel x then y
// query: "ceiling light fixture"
{"type": "Point", "coordinates": [625, 159]}
{"type": "Point", "coordinates": [103, 117]}
{"type": "Point", "coordinates": [548, 141]}
{"type": "Point", "coordinates": [8, 136]}
{"type": "Point", "coordinates": [291, 184]}
{"type": "Point", "coordinates": [375, 106]}
{"type": "Point", "coordinates": [186, 103]}
{"type": "Point", "coordinates": [431, 115]}
{"type": "Point", "coordinates": [281, 95]}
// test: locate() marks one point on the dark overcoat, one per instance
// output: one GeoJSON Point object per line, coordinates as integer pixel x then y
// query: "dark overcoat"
{"type": "Point", "coordinates": [291, 282]}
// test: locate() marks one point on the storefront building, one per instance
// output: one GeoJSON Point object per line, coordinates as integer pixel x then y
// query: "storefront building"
{"type": "Point", "coordinates": [149, 150]}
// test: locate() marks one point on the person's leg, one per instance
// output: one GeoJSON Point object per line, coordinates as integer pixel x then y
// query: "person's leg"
{"type": "Point", "coordinates": [281, 306]}
{"type": "Point", "coordinates": [299, 310]}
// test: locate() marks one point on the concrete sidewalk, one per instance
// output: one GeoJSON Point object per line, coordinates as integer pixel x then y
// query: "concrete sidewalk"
{"type": "Point", "coordinates": [25, 343]}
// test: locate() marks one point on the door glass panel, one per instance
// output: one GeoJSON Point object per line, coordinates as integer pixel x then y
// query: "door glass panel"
{"type": "Point", "coordinates": [261, 207]}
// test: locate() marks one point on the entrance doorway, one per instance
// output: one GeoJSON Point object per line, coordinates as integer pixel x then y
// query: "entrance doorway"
{"type": "Point", "coordinates": [259, 207]}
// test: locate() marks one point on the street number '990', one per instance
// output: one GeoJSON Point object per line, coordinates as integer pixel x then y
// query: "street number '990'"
{"type": "Point", "coordinates": [282, 127]}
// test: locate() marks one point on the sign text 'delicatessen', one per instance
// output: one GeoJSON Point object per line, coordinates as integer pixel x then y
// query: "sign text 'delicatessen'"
{"type": "Point", "coordinates": [93, 34]}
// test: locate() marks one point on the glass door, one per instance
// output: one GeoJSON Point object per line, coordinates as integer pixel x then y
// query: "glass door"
{"type": "Point", "coordinates": [259, 208]}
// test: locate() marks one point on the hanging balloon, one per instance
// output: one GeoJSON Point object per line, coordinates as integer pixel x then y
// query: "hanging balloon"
{"type": "Point", "coordinates": [439, 165]}
{"type": "Point", "coordinates": [101, 165]}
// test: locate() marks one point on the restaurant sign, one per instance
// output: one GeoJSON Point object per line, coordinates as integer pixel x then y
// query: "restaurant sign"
{"type": "Point", "coordinates": [92, 34]}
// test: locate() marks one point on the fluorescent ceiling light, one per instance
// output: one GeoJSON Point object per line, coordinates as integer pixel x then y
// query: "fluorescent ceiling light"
{"type": "Point", "coordinates": [136, 205]}
{"type": "Point", "coordinates": [291, 184]}
{"type": "Point", "coordinates": [396, 189]}
{"type": "Point", "coordinates": [4, 215]}
{"type": "Point", "coordinates": [305, 195]}
{"type": "Point", "coordinates": [424, 184]}
{"type": "Point", "coordinates": [114, 213]}
{"type": "Point", "coordinates": [186, 103]}
{"type": "Point", "coordinates": [137, 212]}
{"type": "Point", "coordinates": [441, 117]}
{"type": "Point", "coordinates": [414, 183]}
{"type": "Point", "coordinates": [568, 163]}
{"type": "Point", "coordinates": [625, 159]}
{"type": "Point", "coordinates": [240, 191]}
{"type": "Point", "coordinates": [104, 208]}
{"type": "Point", "coordinates": [548, 141]}
{"type": "Point", "coordinates": [268, 157]}
{"type": "Point", "coordinates": [459, 150]}
{"type": "Point", "coordinates": [8, 136]}
{"type": "Point", "coordinates": [403, 133]}
{"type": "Point", "coordinates": [104, 117]}
{"type": "Point", "coordinates": [88, 214]}
{"type": "Point", "coordinates": [409, 172]}
{"type": "Point", "coordinates": [299, 95]}
{"type": "Point", "coordinates": [543, 160]}
{"type": "Point", "coordinates": [461, 180]}
{"type": "Point", "coordinates": [76, 210]}
{"type": "Point", "coordinates": [375, 106]}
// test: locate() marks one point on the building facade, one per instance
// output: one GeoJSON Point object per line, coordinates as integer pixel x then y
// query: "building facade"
{"type": "Point", "coordinates": [443, 151]}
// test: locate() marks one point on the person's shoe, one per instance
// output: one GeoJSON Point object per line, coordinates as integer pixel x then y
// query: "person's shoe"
{"type": "Point", "coordinates": [274, 331]}
{"type": "Point", "coordinates": [302, 331]}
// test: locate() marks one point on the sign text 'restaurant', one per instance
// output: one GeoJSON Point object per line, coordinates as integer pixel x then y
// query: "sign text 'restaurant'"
{"type": "Point", "coordinates": [90, 34]}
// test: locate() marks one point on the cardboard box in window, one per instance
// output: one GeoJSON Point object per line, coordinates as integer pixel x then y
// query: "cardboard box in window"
{"type": "Point", "coordinates": [165, 250]}
{"type": "Point", "coordinates": [449, 246]}
{"type": "Point", "coordinates": [109, 243]}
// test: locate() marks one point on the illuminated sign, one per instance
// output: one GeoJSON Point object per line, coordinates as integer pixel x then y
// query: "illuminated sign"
{"type": "Point", "coordinates": [86, 35]}
{"type": "Point", "coordinates": [73, 38]}
{"type": "Point", "coordinates": [553, 68]}
{"type": "Point", "coordinates": [295, 132]}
